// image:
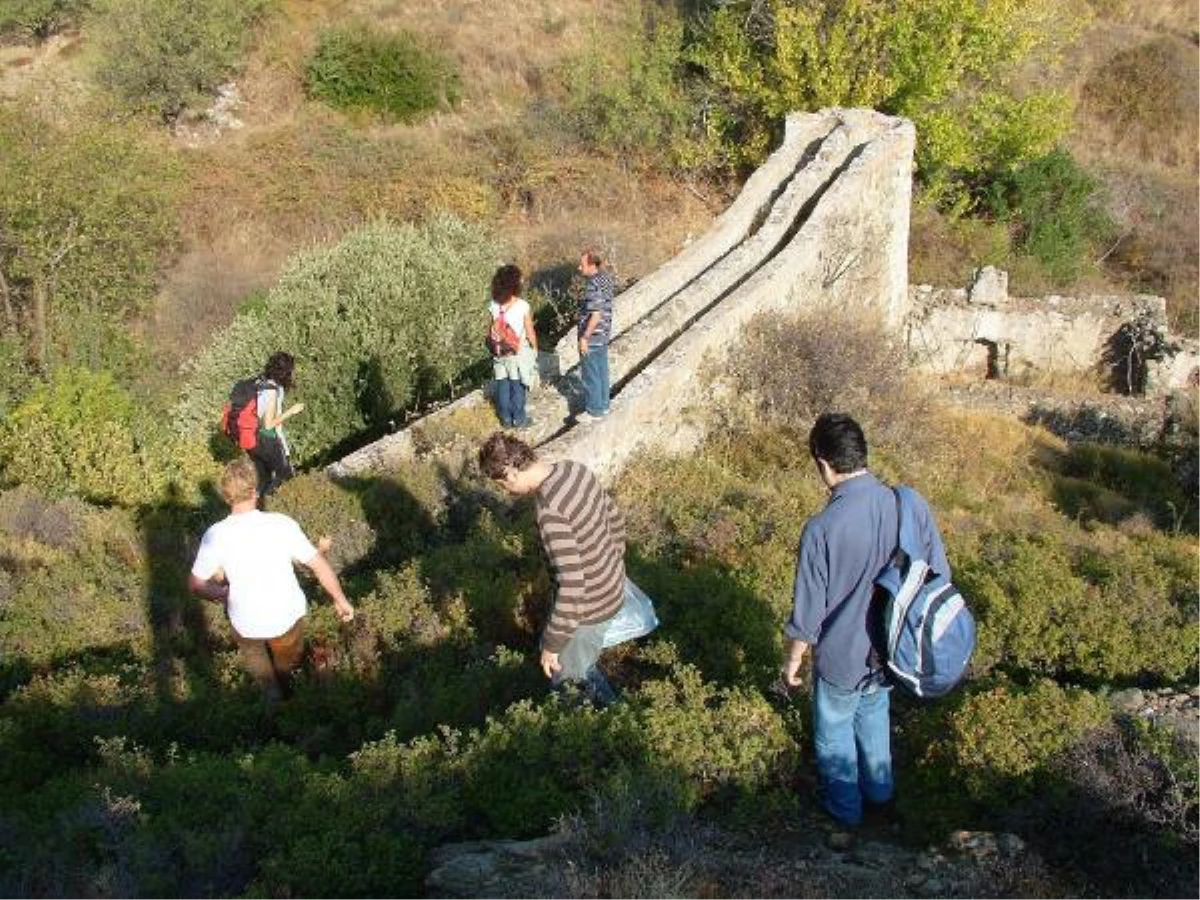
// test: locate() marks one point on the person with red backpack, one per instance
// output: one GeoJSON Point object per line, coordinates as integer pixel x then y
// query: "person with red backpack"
{"type": "Point", "coordinates": [512, 342]}
{"type": "Point", "coordinates": [254, 416]}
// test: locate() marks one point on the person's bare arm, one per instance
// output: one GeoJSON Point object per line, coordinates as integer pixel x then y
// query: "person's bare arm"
{"type": "Point", "coordinates": [328, 580]}
{"type": "Point", "coordinates": [593, 323]}
{"type": "Point", "coordinates": [208, 588]}
{"type": "Point", "coordinates": [530, 333]}
{"type": "Point", "coordinates": [792, 661]}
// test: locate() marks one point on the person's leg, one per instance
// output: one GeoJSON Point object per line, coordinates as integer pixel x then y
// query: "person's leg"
{"type": "Point", "coordinates": [262, 468]}
{"type": "Point", "coordinates": [872, 734]}
{"type": "Point", "coordinates": [589, 373]}
{"type": "Point", "coordinates": [837, 760]}
{"type": "Point", "coordinates": [286, 651]}
{"type": "Point", "coordinates": [603, 387]}
{"type": "Point", "coordinates": [270, 450]}
{"type": "Point", "coordinates": [578, 661]}
{"type": "Point", "coordinates": [504, 402]}
{"type": "Point", "coordinates": [519, 391]}
{"type": "Point", "coordinates": [256, 660]}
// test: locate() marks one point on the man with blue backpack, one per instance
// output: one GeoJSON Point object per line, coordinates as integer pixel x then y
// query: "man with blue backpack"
{"type": "Point", "coordinates": [843, 550]}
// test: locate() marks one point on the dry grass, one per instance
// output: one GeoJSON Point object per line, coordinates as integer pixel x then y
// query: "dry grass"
{"type": "Point", "coordinates": [1136, 74]}
{"type": "Point", "coordinates": [299, 174]}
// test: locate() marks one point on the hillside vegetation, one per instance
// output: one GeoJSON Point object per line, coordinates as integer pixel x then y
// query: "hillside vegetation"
{"type": "Point", "coordinates": [381, 159]}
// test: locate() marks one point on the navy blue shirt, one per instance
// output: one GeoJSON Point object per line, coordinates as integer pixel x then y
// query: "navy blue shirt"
{"type": "Point", "coordinates": [842, 549]}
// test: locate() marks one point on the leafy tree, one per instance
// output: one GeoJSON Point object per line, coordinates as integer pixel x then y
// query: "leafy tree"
{"type": "Point", "coordinates": [946, 64]}
{"type": "Point", "coordinates": [85, 217]}
{"type": "Point", "coordinates": [39, 19]}
{"type": "Point", "coordinates": [162, 55]}
{"type": "Point", "coordinates": [630, 96]}
{"type": "Point", "coordinates": [392, 314]}
{"type": "Point", "coordinates": [1052, 205]}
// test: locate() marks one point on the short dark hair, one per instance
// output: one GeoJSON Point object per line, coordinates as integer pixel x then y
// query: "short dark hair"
{"type": "Point", "coordinates": [279, 368]}
{"type": "Point", "coordinates": [839, 440]}
{"type": "Point", "coordinates": [593, 258]}
{"type": "Point", "coordinates": [501, 451]}
{"type": "Point", "coordinates": [506, 283]}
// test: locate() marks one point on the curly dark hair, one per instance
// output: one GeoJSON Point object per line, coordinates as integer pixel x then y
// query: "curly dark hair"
{"type": "Point", "coordinates": [280, 368]}
{"type": "Point", "coordinates": [503, 450]}
{"type": "Point", "coordinates": [506, 283]}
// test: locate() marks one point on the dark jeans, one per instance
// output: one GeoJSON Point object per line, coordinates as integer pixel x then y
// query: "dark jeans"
{"type": "Point", "coordinates": [270, 660]}
{"type": "Point", "coordinates": [593, 370]}
{"type": "Point", "coordinates": [510, 402]}
{"type": "Point", "coordinates": [271, 463]}
{"type": "Point", "coordinates": [579, 664]}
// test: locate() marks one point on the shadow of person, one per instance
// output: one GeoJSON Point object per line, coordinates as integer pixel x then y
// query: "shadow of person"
{"type": "Point", "coordinates": [181, 644]}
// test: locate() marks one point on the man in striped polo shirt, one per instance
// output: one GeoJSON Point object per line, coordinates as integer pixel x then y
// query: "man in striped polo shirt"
{"type": "Point", "coordinates": [594, 329]}
{"type": "Point", "coordinates": [583, 535]}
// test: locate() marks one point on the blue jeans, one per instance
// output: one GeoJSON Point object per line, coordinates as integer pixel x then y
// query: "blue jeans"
{"type": "Point", "coordinates": [578, 663]}
{"type": "Point", "coordinates": [852, 733]}
{"type": "Point", "coordinates": [510, 402]}
{"type": "Point", "coordinates": [593, 369]}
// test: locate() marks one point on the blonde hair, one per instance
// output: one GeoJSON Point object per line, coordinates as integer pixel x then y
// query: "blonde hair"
{"type": "Point", "coordinates": [239, 481]}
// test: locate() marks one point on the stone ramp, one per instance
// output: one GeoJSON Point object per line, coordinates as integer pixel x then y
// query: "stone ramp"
{"type": "Point", "coordinates": [826, 218]}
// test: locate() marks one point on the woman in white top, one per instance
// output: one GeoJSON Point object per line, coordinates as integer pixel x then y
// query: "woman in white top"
{"type": "Point", "coordinates": [271, 455]}
{"type": "Point", "coordinates": [513, 343]}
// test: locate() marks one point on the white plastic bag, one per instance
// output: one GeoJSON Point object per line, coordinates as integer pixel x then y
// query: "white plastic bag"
{"type": "Point", "coordinates": [636, 618]}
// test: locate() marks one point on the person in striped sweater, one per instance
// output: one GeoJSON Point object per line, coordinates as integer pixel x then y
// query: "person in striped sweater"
{"type": "Point", "coordinates": [583, 536]}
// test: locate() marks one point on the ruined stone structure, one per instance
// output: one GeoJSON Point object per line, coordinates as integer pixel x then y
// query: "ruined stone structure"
{"type": "Point", "coordinates": [824, 220]}
{"type": "Point", "coordinates": [984, 332]}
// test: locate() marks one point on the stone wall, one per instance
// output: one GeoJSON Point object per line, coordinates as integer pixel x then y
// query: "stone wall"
{"type": "Point", "coordinates": [983, 331]}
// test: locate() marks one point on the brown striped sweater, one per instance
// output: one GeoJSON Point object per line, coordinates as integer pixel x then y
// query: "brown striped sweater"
{"type": "Point", "coordinates": [583, 535]}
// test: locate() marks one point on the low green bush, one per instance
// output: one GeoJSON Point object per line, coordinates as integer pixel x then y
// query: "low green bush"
{"type": "Point", "coordinates": [977, 756]}
{"type": "Point", "coordinates": [90, 216]}
{"type": "Point", "coordinates": [629, 97]}
{"type": "Point", "coordinates": [1091, 610]}
{"type": "Point", "coordinates": [393, 75]}
{"type": "Point", "coordinates": [81, 433]}
{"type": "Point", "coordinates": [388, 318]}
{"type": "Point", "coordinates": [162, 56]}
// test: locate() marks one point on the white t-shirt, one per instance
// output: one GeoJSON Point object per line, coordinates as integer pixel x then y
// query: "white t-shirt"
{"type": "Point", "coordinates": [514, 316]}
{"type": "Point", "coordinates": [256, 550]}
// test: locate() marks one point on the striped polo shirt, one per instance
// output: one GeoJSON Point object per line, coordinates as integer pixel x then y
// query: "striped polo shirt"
{"type": "Point", "coordinates": [583, 535]}
{"type": "Point", "coordinates": [597, 297]}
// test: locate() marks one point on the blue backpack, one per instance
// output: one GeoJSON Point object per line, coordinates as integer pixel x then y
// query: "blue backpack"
{"type": "Point", "coordinates": [924, 633]}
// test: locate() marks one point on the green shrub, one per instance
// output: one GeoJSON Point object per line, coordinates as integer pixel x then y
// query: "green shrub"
{"type": "Point", "coordinates": [981, 754]}
{"type": "Point", "coordinates": [395, 76]}
{"type": "Point", "coordinates": [389, 317]}
{"type": "Point", "coordinates": [81, 433]}
{"type": "Point", "coordinates": [944, 64]}
{"type": "Point", "coordinates": [39, 19]}
{"type": "Point", "coordinates": [89, 214]}
{"type": "Point", "coordinates": [1094, 610]}
{"type": "Point", "coordinates": [1056, 212]}
{"type": "Point", "coordinates": [628, 96]}
{"type": "Point", "coordinates": [162, 56]}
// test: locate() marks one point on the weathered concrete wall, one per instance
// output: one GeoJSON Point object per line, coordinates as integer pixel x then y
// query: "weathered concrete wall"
{"type": "Point", "coordinates": [844, 253]}
{"type": "Point", "coordinates": [825, 221]}
{"type": "Point", "coordinates": [984, 331]}
{"type": "Point", "coordinates": [752, 205]}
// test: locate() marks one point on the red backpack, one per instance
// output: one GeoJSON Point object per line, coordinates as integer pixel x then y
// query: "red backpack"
{"type": "Point", "coordinates": [239, 419]}
{"type": "Point", "coordinates": [502, 339]}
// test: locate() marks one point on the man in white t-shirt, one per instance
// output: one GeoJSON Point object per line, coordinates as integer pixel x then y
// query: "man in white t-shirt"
{"type": "Point", "coordinates": [245, 561]}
